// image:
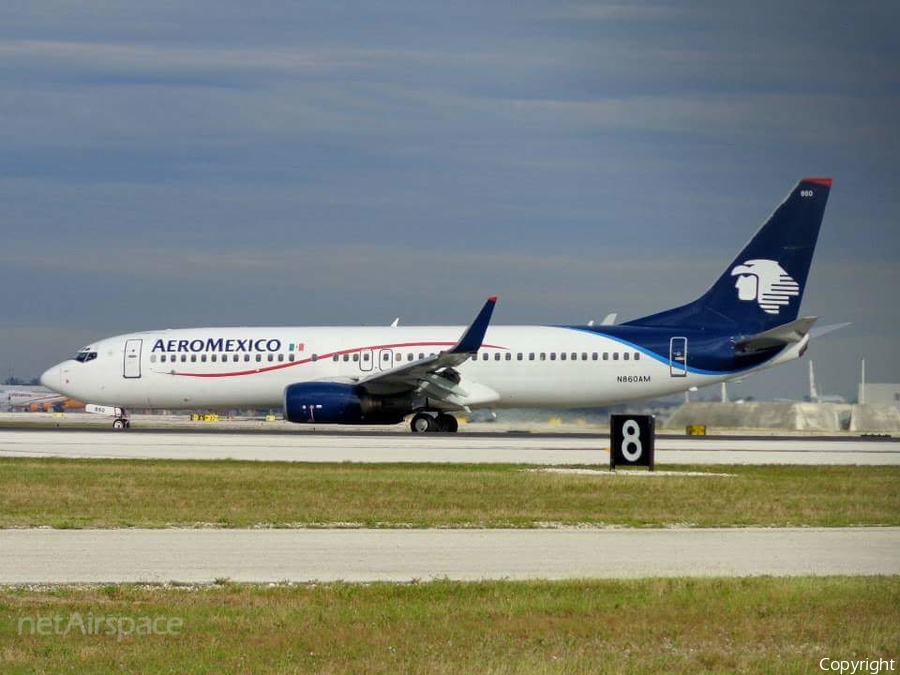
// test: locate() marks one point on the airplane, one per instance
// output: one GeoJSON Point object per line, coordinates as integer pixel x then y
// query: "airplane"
{"type": "Point", "coordinates": [34, 399]}
{"type": "Point", "coordinates": [746, 322]}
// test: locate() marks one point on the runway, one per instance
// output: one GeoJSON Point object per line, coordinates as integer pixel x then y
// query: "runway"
{"type": "Point", "coordinates": [202, 556]}
{"type": "Point", "coordinates": [541, 449]}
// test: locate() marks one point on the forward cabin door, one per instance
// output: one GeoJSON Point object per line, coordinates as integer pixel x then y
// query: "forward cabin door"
{"type": "Point", "coordinates": [678, 357]}
{"type": "Point", "coordinates": [132, 367]}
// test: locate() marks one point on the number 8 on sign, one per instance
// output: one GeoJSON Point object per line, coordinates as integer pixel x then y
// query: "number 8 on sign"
{"type": "Point", "coordinates": [631, 438]}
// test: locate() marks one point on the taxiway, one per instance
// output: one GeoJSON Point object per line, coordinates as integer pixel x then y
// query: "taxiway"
{"type": "Point", "coordinates": [202, 556]}
{"type": "Point", "coordinates": [540, 449]}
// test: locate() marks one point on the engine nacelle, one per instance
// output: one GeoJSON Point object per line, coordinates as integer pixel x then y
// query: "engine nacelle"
{"type": "Point", "coordinates": [337, 403]}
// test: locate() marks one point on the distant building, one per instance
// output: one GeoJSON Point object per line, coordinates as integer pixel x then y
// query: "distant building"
{"type": "Point", "coordinates": [880, 394]}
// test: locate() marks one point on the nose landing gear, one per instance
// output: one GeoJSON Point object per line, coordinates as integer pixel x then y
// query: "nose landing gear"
{"type": "Point", "coordinates": [123, 420]}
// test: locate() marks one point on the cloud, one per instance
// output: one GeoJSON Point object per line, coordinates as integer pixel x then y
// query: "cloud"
{"type": "Point", "coordinates": [213, 162]}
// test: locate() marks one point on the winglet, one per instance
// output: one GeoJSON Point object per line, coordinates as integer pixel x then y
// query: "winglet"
{"type": "Point", "coordinates": [471, 340]}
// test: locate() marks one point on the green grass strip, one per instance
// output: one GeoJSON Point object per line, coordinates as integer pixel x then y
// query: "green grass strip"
{"type": "Point", "coordinates": [784, 625]}
{"type": "Point", "coordinates": [64, 493]}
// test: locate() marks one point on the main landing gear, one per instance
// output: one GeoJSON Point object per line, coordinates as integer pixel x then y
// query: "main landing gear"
{"type": "Point", "coordinates": [424, 422]}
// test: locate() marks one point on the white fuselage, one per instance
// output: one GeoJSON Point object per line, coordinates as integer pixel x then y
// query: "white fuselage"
{"type": "Point", "coordinates": [517, 366]}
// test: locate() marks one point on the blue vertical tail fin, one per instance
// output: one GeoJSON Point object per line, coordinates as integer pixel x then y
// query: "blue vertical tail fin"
{"type": "Point", "coordinates": [762, 287]}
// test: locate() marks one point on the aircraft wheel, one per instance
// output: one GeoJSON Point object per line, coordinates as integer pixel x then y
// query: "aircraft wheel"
{"type": "Point", "coordinates": [447, 423]}
{"type": "Point", "coordinates": [119, 424]}
{"type": "Point", "coordinates": [422, 423]}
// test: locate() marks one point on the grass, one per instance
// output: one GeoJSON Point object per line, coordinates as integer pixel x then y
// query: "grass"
{"type": "Point", "coordinates": [771, 625]}
{"type": "Point", "coordinates": [65, 493]}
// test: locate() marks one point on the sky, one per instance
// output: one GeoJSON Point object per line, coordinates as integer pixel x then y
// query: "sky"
{"type": "Point", "coordinates": [222, 162]}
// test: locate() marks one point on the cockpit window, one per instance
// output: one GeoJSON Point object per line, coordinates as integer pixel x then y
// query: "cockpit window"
{"type": "Point", "coordinates": [85, 356]}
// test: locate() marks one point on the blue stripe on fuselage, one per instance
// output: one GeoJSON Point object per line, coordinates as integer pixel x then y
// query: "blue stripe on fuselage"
{"type": "Point", "coordinates": [707, 354]}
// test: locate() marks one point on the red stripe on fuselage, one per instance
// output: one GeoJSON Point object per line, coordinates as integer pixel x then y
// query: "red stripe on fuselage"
{"type": "Point", "coordinates": [327, 355]}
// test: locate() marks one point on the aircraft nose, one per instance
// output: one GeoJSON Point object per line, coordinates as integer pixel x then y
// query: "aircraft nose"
{"type": "Point", "coordinates": [51, 378]}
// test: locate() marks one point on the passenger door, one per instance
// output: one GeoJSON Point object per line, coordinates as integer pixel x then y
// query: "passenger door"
{"type": "Point", "coordinates": [132, 366]}
{"type": "Point", "coordinates": [678, 357]}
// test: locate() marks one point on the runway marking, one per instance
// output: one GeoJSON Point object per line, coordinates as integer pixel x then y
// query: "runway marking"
{"type": "Point", "coordinates": [628, 472]}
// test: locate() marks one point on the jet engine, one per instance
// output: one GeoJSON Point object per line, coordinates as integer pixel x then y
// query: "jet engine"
{"type": "Point", "coordinates": [337, 403]}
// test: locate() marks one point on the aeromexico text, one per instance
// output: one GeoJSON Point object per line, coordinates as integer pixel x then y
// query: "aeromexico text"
{"type": "Point", "coordinates": [220, 345]}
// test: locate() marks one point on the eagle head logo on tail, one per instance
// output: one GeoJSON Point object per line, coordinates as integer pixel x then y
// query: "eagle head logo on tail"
{"type": "Point", "coordinates": [765, 282]}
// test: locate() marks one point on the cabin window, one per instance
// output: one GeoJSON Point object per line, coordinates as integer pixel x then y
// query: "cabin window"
{"type": "Point", "coordinates": [594, 356]}
{"type": "Point", "coordinates": [355, 358]}
{"type": "Point", "coordinates": [543, 356]}
{"type": "Point", "coordinates": [270, 358]}
{"type": "Point", "coordinates": [235, 358]}
{"type": "Point", "coordinates": [193, 358]}
{"type": "Point", "coordinates": [315, 357]}
{"type": "Point", "coordinates": [162, 358]}
{"type": "Point", "coordinates": [553, 356]}
{"type": "Point", "coordinates": [475, 356]}
{"type": "Point", "coordinates": [637, 356]}
{"type": "Point", "coordinates": [346, 358]}
{"type": "Point", "coordinates": [562, 356]}
{"type": "Point", "coordinates": [336, 358]}
{"type": "Point", "coordinates": [246, 357]}
{"type": "Point", "coordinates": [385, 356]}
{"type": "Point", "coordinates": [366, 357]}
{"type": "Point", "coordinates": [153, 358]}
{"type": "Point", "coordinates": [509, 356]}
{"type": "Point", "coordinates": [584, 356]}
{"type": "Point", "coordinates": [531, 356]}
{"type": "Point", "coordinates": [606, 356]}
{"type": "Point", "coordinates": [183, 358]}
{"type": "Point", "coordinates": [574, 356]}
{"type": "Point", "coordinates": [280, 358]}
{"type": "Point", "coordinates": [519, 356]}
{"type": "Point", "coordinates": [626, 356]}
{"type": "Point", "coordinates": [203, 358]}
{"type": "Point", "coordinates": [410, 356]}
{"type": "Point", "coordinates": [258, 358]}
{"type": "Point", "coordinates": [615, 356]}
{"type": "Point", "coordinates": [213, 358]}
{"type": "Point", "coordinates": [497, 356]}
{"type": "Point", "coordinates": [485, 356]}
{"type": "Point", "coordinates": [422, 356]}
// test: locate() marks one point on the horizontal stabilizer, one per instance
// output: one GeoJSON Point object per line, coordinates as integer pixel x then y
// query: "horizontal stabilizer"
{"type": "Point", "coordinates": [786, 333]}
{"type": "Point", "coordinates": [822, 330]}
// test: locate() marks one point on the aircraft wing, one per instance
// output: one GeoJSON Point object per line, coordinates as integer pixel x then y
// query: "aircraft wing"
{"type": "Point", "coordinates": [434, 376]}
{"type": "Point", "coordinates": [786, 333]}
